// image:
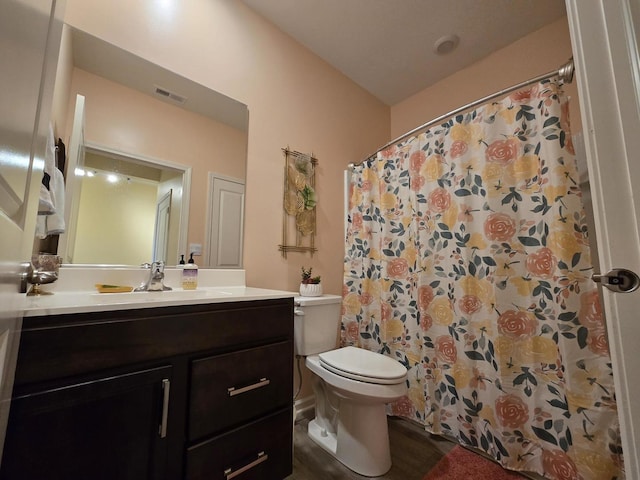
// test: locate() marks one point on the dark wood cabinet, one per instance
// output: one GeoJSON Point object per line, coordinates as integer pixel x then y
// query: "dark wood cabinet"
{"type": "Point", "coordinates": [200, 391]}
{"type": "Point", "coordinates": [110, 427]}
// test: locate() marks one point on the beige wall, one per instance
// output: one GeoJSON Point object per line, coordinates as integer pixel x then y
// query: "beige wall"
{"type": "Point", "coordinates": [102, 227]}
{"type": "Point", "coordinates": [128, 121]}
{"type": "Point", "coordinates": [542, 51]}
{"type": "Point", "coordinates": [294, 99]}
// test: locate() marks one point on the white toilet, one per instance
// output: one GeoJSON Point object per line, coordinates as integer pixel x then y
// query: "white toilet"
{"type": "Point", "coordinates": [351, 386]}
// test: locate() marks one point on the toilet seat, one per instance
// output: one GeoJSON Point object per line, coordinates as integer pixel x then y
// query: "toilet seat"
{"type": "Point", "coordinates": [363, 365]}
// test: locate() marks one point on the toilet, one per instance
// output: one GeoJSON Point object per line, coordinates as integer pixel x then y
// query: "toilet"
{"type": "Point", "coordinates": [351, 387]}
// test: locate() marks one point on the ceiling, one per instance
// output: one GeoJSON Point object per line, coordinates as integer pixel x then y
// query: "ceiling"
{"type": "Point", "coordinates": [387, 46]}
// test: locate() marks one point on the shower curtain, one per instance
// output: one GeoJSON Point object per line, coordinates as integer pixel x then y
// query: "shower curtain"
{"type": "Point", "coordinates": [467, 260]}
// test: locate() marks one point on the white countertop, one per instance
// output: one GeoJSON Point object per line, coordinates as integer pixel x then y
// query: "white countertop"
{"type": "Point", "coordinates": [75, 292]}
{"type": "Point", "coordinates": [85, 301]}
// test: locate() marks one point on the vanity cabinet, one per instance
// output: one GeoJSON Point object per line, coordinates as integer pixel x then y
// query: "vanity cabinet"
{"type": "Point", "coordinates": [189, 392]}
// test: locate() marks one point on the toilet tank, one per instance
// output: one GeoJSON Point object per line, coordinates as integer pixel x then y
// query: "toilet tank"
{"type": "Point", "coordinates": [316, 323]}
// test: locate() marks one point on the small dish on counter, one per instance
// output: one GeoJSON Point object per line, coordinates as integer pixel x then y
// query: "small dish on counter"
{"type": "Point", "coordinates": [104, 288]}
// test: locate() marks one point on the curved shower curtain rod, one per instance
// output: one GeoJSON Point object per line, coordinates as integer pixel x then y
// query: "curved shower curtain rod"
{"type": "Point", "coordinates": [564, 73]}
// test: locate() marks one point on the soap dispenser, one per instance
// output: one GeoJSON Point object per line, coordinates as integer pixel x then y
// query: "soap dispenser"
{"type": "Point", "coordinates": [181, 263]}
{"type": "Point", "coordinates": [190, 275]}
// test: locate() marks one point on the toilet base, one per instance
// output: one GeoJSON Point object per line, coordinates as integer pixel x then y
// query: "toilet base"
{"type": "Point", "coordinates": [319, 435]}
{"type": "Point", "coordinates": [362, 439]}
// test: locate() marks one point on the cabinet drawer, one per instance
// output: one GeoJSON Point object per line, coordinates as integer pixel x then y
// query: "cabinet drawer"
{"type": "Point", "coordinates": [66, 345]}
{"type": "Point", "coordinates": [261, 450]}
{"type": "Point", "coordinates": [229, 389]}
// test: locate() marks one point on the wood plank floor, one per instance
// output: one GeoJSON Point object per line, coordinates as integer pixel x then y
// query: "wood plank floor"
{"type": "Point", "coordinates": [413, 453]}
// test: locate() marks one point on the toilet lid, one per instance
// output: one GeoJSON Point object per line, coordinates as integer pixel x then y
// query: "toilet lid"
{"type": "Point", "coordinates": [364, 365]}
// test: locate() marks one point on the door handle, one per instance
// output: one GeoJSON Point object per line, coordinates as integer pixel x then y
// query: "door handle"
{"type": "Point", "coordinates": [26, 270]}
{"type": "Point", "coordinates": [230, 473]}
{"type": "Point", "coordinates": [166, 386]}
{"type": "Point", "coordinates": [233, 391]}
{"type": "Point", "coordinates": [619, 280]}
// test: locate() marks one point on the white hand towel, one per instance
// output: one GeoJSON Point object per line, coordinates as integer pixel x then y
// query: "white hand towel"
{"type": "Point", "coordinates": [55, 221]}
{"type": "Point", "coordinates": [46, 205]}
{"type": "Point", "coordinates": [41, 227]}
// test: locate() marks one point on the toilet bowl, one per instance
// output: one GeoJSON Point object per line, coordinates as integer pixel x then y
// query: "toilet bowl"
{"type": "Point", "coordinates": [358, 435]}
{"type": "Point", "coordinates": [351, 387]}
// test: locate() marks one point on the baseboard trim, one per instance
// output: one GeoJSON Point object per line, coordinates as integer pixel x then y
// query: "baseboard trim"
{"type": "Point", "coordinates": [304, 407]}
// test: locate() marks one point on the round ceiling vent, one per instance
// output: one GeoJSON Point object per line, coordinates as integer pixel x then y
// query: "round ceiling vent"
{"type": "Point", "coordinates": [446, 44]}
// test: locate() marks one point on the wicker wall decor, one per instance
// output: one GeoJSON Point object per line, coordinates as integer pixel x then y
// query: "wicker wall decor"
{"type": "Point", "coordinates": [299, 203]}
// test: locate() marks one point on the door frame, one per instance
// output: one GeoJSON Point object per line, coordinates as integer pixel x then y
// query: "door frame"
{"type": "Point", "coordinates": [73, 185]}
{"type": "Point", "coordinates": [605, 46]}
{"type": "Point", "coordinates": [184, 191]}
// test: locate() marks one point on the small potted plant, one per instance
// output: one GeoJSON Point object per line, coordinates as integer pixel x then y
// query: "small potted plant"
{"type": "Point", "coordinates": [310, 286]}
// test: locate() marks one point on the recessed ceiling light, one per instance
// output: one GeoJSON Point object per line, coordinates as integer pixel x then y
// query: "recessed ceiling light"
{"type": "Point", "coordinates": [446, 44]}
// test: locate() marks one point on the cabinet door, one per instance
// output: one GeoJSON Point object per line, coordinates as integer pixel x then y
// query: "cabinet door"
{"type": "Point", "coordinates": [111, 428]}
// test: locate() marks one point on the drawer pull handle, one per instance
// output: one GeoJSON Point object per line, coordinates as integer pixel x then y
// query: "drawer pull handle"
{"type": "Point", "coordinates": [229, 474]}
{"type": "Point", "coordinates": [263, 382]}
{"type": "Point", "coordinates": [166, 384]}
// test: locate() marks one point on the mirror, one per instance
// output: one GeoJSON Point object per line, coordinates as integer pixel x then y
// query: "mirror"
{"type": "Point", "coordinates": [151, 130]}
{"type": "Point", "coordinates": [150, 193]}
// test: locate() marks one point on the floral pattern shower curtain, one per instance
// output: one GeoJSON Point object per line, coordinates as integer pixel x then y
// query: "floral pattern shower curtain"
{"type": "Point", "coordinates": [467, 260]}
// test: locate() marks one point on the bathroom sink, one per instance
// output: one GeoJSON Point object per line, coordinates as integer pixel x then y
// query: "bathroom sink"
{"type": "Point", "coordinates": [183, 294]}
{"type": "Point", "coordinates": [169, 295]}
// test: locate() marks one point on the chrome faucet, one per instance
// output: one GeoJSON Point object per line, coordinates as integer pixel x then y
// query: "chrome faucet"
{"type": "Point", "coordinates": [155, 283]}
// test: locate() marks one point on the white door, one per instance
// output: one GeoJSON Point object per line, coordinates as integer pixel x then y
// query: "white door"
{"type": "Point", "coordinates": [225, 223]}
{"type": "Point", "coordinates": [73, 183]}
{"type": "Point", "coordinates": [28, 55]}
{"type": "Point", "coordinates": [605, 46]}
{"type": "Point", "coordinates": [161, 234]}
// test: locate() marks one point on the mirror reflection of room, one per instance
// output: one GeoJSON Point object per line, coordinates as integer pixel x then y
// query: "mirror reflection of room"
{"type": "Point", "coordinates": [119, 203]}
{"type": "Point", "coordinates": [157, 132]}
